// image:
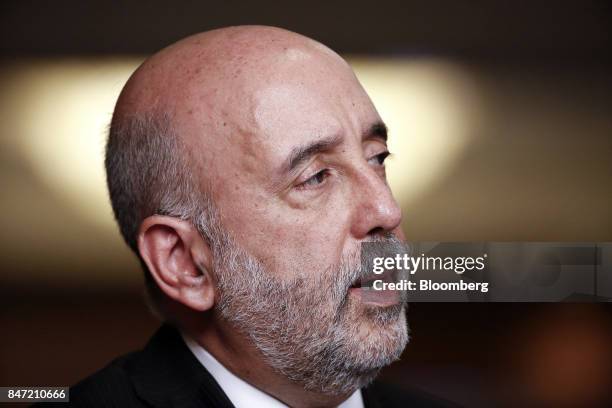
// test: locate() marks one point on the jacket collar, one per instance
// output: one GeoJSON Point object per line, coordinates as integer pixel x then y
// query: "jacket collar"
{"type": "Point", "coordinates": [166, 374]}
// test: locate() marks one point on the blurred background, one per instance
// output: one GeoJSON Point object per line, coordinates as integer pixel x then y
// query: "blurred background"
{"type": "Point", "coordinates": [500, 117]}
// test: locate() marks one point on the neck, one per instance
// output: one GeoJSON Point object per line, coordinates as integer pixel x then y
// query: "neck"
{"type": "Point", "coordinates": [238, 354]}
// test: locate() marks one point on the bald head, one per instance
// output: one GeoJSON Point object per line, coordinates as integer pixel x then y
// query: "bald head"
{"type": "Point", "coordinates": [205, 67]}
{"type": "Point", "coordinates": [218, 116]}
{"type": "Point", "coordinates": [223, 90]}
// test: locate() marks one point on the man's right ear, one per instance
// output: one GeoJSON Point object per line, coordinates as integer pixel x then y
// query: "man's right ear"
{"type": "Point", "coordinates": [179, 260]}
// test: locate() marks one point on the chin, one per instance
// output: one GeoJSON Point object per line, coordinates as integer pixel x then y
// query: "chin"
{"type": "Point", "coordinates": [379, 342]}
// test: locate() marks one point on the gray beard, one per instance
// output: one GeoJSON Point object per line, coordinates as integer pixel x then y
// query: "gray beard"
{"type": "Point", "coordinates": [306, 327]}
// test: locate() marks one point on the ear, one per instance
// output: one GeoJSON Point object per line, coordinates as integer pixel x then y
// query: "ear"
{"type": "Point", "coordinates": [179, 260]}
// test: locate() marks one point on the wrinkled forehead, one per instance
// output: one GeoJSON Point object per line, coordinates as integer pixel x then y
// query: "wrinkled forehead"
{"type": "Point", "coordinates": [254, 113]}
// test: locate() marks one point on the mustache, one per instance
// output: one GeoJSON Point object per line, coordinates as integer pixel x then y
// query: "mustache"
{"type": "Point", "coordinates": [357, 266]}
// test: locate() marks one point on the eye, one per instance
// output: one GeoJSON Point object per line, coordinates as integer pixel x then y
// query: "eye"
{"type": "Point", "coordinates": [314, 180]}
{"type": "Point", "coordinates": [379, 159]}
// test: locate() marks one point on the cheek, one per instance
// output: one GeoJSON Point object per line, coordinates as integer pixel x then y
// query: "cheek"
{"type": "Point", "coordinates": [287, 240]}
{"type": "Point", "coordinates": [311, 247]}
{"type": "Point", "coordinates": [290, 250]}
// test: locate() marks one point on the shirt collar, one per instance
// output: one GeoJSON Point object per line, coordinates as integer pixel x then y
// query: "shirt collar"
{"type": "Point", "coordinates": [241, 393]}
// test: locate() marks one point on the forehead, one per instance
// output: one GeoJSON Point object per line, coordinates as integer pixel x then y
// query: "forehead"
{"type": "Point", "coordinates": [285, 114]}
{"type": "Point", "coordinates": [259, 114]}
{"type": "Point", "coordinates": [297, 107]}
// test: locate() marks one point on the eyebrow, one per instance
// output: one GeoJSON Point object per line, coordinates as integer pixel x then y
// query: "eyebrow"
{"type": "Point", "coordinates": [300, 154]}
{"type": "Point", "coordinates": [377, 131]}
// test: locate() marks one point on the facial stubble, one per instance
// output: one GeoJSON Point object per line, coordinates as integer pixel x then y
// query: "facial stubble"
{"type": "Point", "coordinates": [307, 327]}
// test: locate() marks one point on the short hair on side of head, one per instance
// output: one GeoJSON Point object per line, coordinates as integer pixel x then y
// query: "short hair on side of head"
{"type": "Point", "coordinates": [148, 172]}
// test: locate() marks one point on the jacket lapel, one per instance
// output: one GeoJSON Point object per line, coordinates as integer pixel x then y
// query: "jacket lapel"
{"type": "Point", "coordinates": [370, 398]}
{"type": "Point", "coordinates": [166, 374]}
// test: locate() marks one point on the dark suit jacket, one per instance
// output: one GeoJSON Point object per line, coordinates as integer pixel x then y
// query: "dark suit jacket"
{"type": "Point", "coordinates": [166, 374]}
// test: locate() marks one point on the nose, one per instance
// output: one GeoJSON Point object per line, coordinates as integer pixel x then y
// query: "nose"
{"type": "Point", "coordinates": [376, 210]}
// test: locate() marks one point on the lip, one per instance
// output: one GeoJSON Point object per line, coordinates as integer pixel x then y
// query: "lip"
{"type": "Point", "coordinates": [380, 298]}
{"type": "Point", "coordinates": [387, 276]}
{"type": "Point", "coordinates": [363, 289]}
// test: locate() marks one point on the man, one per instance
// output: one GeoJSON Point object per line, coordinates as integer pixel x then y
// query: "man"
{"type": "Point", "coordinates": [246, 167]}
